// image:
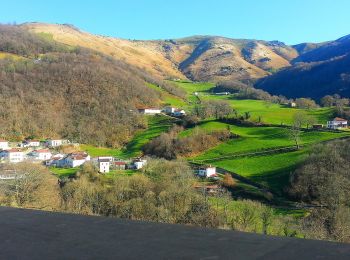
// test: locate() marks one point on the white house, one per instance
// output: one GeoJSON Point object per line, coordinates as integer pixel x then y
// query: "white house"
{"type": "Point", "coordinates": [55, 160]}
{"type": "Point", "coordinates": [207, 172]}
{"type": "Point", "coordinates": [169, 110]}
{"type": "Point", "coordinates": [54, 142]}
{"type": "Point", "coordinates": [4, 145]}
{"type": "Point", "coordinates": [41, 154]}
{"type": "Point", "coordinates": [139, 163]}
{"type": "Point", "coordinates": [179, 113]}
{"type": "Point", "coordinates": [337, 123]}
{"type": "Point", "coordinates": [149, 110]}
{"type": "Point", "coordinates": [31, 143]}
{"type": "Point", "coordinates": [74, 160]}
{"type": "Point", "coordinates": [12, 155]}
{"type": "Point", "coordinates": [103, 165]}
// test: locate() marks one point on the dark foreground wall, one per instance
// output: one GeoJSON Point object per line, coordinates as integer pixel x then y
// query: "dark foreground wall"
{"type": "Point", "coordinates": [27, 234]}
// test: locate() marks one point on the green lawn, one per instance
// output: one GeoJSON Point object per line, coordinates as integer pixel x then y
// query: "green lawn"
{"type": "Point", "coordinates": [64, 172]}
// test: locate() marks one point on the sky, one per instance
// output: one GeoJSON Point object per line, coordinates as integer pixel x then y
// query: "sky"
{"type": "Point", "coordinates": [290, 21]}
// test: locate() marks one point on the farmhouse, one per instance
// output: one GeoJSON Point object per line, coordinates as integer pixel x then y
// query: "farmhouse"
{"type": "Point", "coordinates": [292, 104]}
{"type": "Point", "coordinates": [4, 145]}
{"type": "Point", "coordinates": [169, 110]}
{"type": "Point", "coordinates": [103, 165]}
{"type": "Point", "coordinates": [139, 163]}
{"type": "Point", "coordinates": [149, 110]}
{"type": "Point", "coordinates": [41, 154]}
{"type": "Point", "coordinates": [337, 123]}
{"type": "Point", "coordinates": [120, 165]}
{"type": "Point", "coordinates": [207, 171]}
{"type": "Point", "coordinates": [74, 160]}
{"type": "Point", "coordinates": [54, 142]}
{"type": "Point", "coordinates": [12, 156]}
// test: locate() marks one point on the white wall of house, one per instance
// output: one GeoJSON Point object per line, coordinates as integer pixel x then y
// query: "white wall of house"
{"type": "Point", "coordinates": [104, 166]}
{"type": "Point", "coordinates": [54, 142]}
{"type": "Point", "coordinates": [33, 143]}
{"type": "Point", "coordinates": [337, 124]}
{"type": "Point", "coordinates": [42, 155]}
{"type": "Point", "coordinates": [151, 111]}
{"type": "Point", "coordinates": [4, 145]}
{"type": "Point", "coordinates": [12, 156]}
{"type": "Point", "coordinates": [207, 172]}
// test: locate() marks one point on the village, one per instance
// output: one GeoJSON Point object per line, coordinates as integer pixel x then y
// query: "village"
{"type": "Point", "coordinates": [48, 152]}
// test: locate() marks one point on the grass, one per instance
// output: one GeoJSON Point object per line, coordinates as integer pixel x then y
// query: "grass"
{"type": "Point", "coordinates": [271, 113]}
{"type": "Point", "coordinates": [168, 98]}
{"type": "Point", "coordinates": [119, 173]}
{"type": "Point", "coordinates": [271, 170]}
{"type": "Point", "coordinates": [64, 172]}
{"type": "Point", "coordinates": [156, 125]}
{"type": "Point", "coordinates": [256, 138]}
{"type": "Point", "coordinates": [100, 151]}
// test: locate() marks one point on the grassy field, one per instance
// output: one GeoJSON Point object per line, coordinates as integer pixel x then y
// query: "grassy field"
{"type": "Point", "coordinates": [268, 112]}
{"type": "Point", "coordinates": [167, 97]}
{"type": "Point", "coordinates": [100, 151]}
{"type": "Point", "coordinates": [156, 125]}
{"type": "Point", "coordinates": [64, 172]}
{"type": "Point", "coordinates": [256, 138]}
{"type": "Point", "coordinates": [272, 113]}
{"type": "Point", "coordinates": [273, 169]}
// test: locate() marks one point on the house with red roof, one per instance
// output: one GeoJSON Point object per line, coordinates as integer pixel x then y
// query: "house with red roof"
{"type": "Point", "coordinates": [41, 154]}
{"type": "Point", "coordinates": [12, 155]}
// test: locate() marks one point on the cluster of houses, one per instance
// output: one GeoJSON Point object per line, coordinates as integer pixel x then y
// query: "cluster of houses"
{"type": "Point", "coordinates": [35, 151]}
{"type": "Point", "coordinates": [171, 111]}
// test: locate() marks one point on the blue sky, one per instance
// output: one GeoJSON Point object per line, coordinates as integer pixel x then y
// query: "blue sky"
{"type": "Point", "coordinates": [291, 21]}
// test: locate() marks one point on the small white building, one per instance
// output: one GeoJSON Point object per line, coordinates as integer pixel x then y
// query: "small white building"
{"type": "Point", "coordinates": [169, 110]}
{"type": "Point", "coordinates": [139, 163]}
{"type": "Point", "coordinates": [31, 143]}
{"type": "Point", "coordinates": [103, 165]}
{"type": "Point", "coordinates": [207, 171]}
{"type": "Point", "coordinates": [74, 160]}
{"type": "Point", "coordinates": [12, 155]}
{"type": "Point", "coordinates": [149, 110]}
{"type": "Point", "coordinates": [4, 145]}
{"type": "Point", "coordinates": [292, 104]}
{"type": "Point", "coordinates": [54, 142]}
{"type": "Point", "coordinates": [337, 123]}
{"type": "Point", "coordinates": [179, 113]}
{"type": "Point", "coordinates": [41, 154]}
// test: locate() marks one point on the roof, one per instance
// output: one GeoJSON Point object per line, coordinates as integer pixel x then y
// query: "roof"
{"type": "Point", "coordinates": [104, 160]}
{"type": "Point", "coordinates": [339, 119]}
{"type": "Point", "coordinates": [120, 163]}
{"type": "Point", "coordinates": [51, 235]}
{"type": "Point", "coordinates": [42, 151]}
{"type": "Point", "coordinates": [3, 141]}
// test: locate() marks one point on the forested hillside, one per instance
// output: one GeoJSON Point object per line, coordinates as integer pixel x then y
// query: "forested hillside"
{"type": "Point", "coordinates": [49, 89]}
